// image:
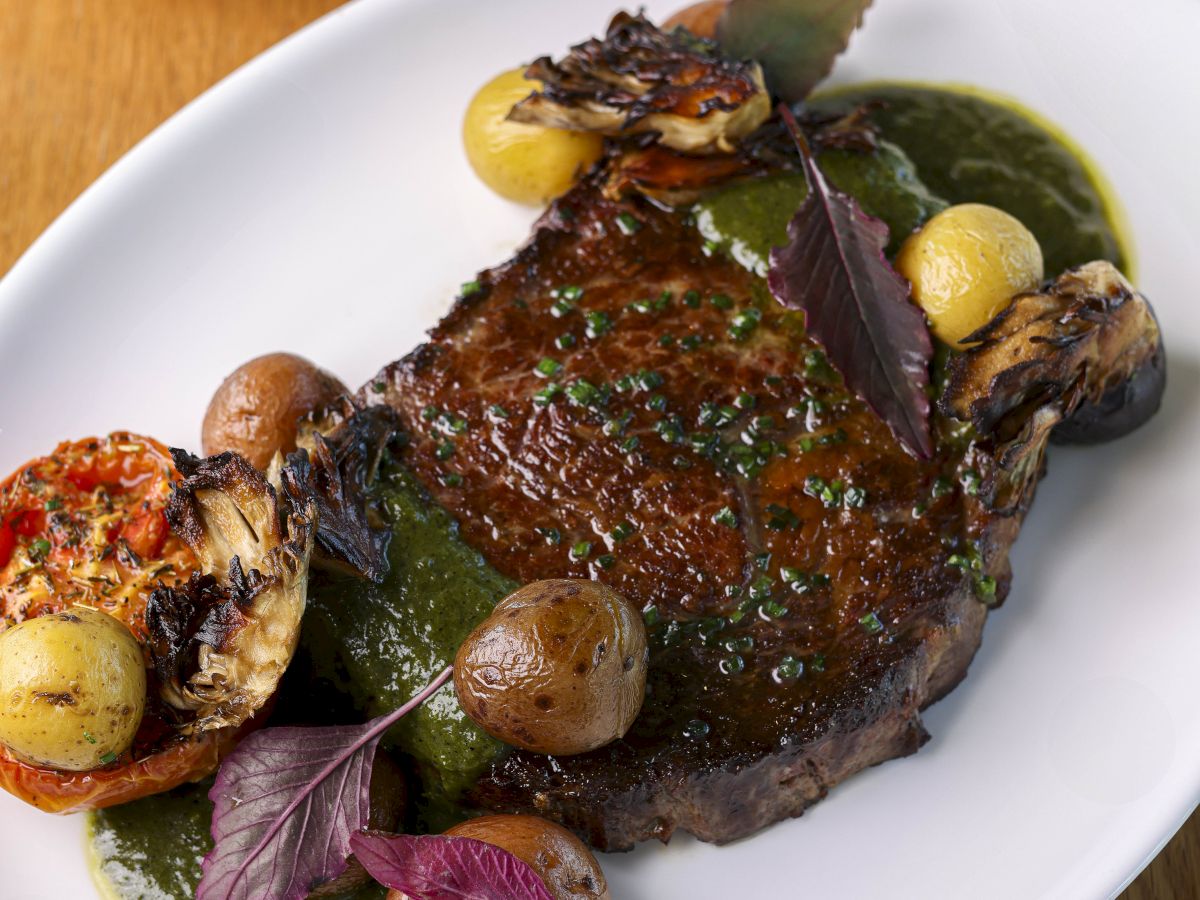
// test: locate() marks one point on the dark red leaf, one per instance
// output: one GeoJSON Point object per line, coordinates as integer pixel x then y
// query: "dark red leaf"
{"type": "Point", "coordinates": [796, 41]}
{"type": "Point", "coordinates": [437, 867]}
{"type": "Point", "coordinates": [855, 304]}
{"type": "Point", "coordinates": [285, 804]}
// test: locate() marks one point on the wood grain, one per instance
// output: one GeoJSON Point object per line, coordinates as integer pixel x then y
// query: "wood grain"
{"type": "Point", "coordinates": [81, 81]}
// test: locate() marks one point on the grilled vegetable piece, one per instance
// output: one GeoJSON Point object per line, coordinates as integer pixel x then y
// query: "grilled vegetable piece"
{"type": "Point", "coordinates": [85, 525]}
{"type": "Point", "coordinates": [334, 472]}
{"type": "Point", "coordinates": [221, 642]}
{"type": "Point", "coordinates": [640, 79]}
{"type": "Point", "coordinates": [1080, 347]}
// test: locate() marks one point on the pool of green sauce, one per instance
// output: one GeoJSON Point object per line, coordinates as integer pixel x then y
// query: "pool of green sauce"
{"type": "Point", "coordinates": [380, 644]}
{"type": "Point", "coordinates": [371, 647]}
{"type": "Point", "coordinates": [938, 146]}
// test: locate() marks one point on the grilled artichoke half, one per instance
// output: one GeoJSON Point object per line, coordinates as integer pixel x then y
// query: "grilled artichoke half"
{"type": "Point", "coordinates": [1083, 357]}
{"type": "Point", "coordinates": [640, 79]}
{"type": "Point", "coordinates": [221, 642]}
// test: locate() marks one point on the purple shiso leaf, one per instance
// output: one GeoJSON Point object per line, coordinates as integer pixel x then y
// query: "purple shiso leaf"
{"type": "Point", "coordinates": [796, 41]}
{"type": "Point", "coordinates": [855, 304]}
{"type": "Point", "coordinates": [286, 802]}
{"type": "Point", "coordinates": [438, 867]}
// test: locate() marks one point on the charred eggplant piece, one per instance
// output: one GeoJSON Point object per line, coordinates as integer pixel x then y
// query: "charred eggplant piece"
{"type": "Point", "coordinates": [1078, 348]}
{"type": "Point", "coordinates": [639, 80]}
{"type": "Point", "coordinates": [221, 642]}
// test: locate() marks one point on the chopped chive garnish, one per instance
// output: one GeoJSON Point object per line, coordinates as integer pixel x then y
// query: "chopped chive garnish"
{"type": "Point", "coordinates": [606, 561]}
{"type": "Point", "coordinates": [627, 223]}
{"type": "Point", "coordinates": [656, 403]}
{"type": "Point", "coordinates": [725, 516]}
{"type": "Point", "coordinates": [547, 394]}
{"type": "Point", "coordinates": [378, 387]}
{"type": "Point", "coordinates": [772, 609]}
{"type": "Point", "coordinates": [430, 413]}
{"type": "Point", "coordinates": [39, 548]}
{"type": "Point", "coordinates": [567, 292]}
{"type": "Point", "coordinates": [789, 669]}
{"type": "Point", "coordinates": [731, 665]}
{"type": "Point", "coordinates": [561, 308]}
{"type": "Point", "coordinates": [582, 550]}
{"type": "Point", "coordinates": [88, 736]}
{"type": "Point", "coordinates": [648, 380]}
{"type": "Point", "coordinates": [691, 299]}
{"type": "Point", "coordinates": [565, 341]}
{"type": "Point", "coordinates": [445, 450]}
{"type": "Point", "coordinates": [452, 479]}
{"type": "Point", "coordinates": [721, 301]}
{"type": "Point", "coordinates": [650, 615]}
{"type": "Point", "coordinates": [669, 429]}
{"type": "Point", "coordinates": [53, 503]}
{"type": "Point", "coordinates": [630, 444]}
{"type": "Point", "coordinates": [870, 623]}
{"type": "Point", "coordinates": [598, 324]}
{"type": "Point", "coordinates": [548, 367]}
{"type": "Point", "coordinates": [497, 410]}
{"type": "Point", "coordinates": [470, 288]}
{"type": "Point", "coordinates": [666, 340]}
{"type": "Point", "coordinates": [108, 757]}
{"type": "Point", "coordinates": [691, 342]}
{"type": "Point", "coordinates": [971, 482]}
{"type": "Point", "coordinates": [745, 400]}
{"type": "Point", "coordinates": [583, 392]}
{"type": "Point", "coordinates": [624, 529]}
{"type": "Point", "coordinates": [552, 535]}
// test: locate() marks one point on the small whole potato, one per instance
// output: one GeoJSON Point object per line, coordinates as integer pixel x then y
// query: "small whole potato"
{"type": "Point", "coordinates": [565, 865]}
{"type": "Point", "coordinates": [72, 689]}
{"type": "Point", "coordinates": [559, 667]}
{"type": "Point", "coordinates": [255, 410]}
{"type": "Point", "coordinates": [530, 164]}
{"type": "Point", "coordinates": [966, 264]}
{"type": "Point", "coordinates": [699, 18]}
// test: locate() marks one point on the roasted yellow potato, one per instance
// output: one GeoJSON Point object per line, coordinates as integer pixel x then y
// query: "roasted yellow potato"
{"type": "Point", "coordinates": [530, 164]}
{"type": "Point", "coordinates": [72, 689]}
{"type": "Point", "coordinates": [965, 264]}
{"type": "Point", "coordinates": [558, 667]}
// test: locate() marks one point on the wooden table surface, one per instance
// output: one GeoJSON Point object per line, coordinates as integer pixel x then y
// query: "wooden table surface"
{"type": "Point", "coordinates": [81, 82]}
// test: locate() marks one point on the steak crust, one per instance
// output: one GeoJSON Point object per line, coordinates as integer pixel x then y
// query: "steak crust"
{"type": "Point", "coordinates": [811, 586]}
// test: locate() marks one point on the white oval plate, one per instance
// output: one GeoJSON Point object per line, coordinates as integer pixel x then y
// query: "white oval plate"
{"type": "Point", "coordinates": [318, 201]}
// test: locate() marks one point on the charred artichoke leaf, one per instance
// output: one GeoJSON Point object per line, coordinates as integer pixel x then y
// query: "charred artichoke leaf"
{"type": "Point", "coordinates": [221, 642]}
{"type": "Point", "coordinates": [1045, 357]}
{"type": "Point", "coordinates": [639, 79]}
{"type": "Point", "coordinates": [334, 472]}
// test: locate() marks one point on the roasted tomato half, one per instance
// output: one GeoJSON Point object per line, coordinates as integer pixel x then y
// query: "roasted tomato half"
{"type": "Point", "coordinates": [86, 526]}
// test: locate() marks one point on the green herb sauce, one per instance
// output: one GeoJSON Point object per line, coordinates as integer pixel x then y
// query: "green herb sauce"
{"type": "Point", "coordinates": [151, 849]}
{"type": "Point", "coordinates": [969, 147]}
{"type": "Point", "coordinates": [939, 146]}
{"type": "Point", "coordinates": [380, 644]}
{"type": "Point", "coordinates": [748, 219]}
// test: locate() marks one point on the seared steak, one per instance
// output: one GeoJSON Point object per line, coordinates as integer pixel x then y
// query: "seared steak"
{"type": "Point", "coordinates": [615, 403]}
